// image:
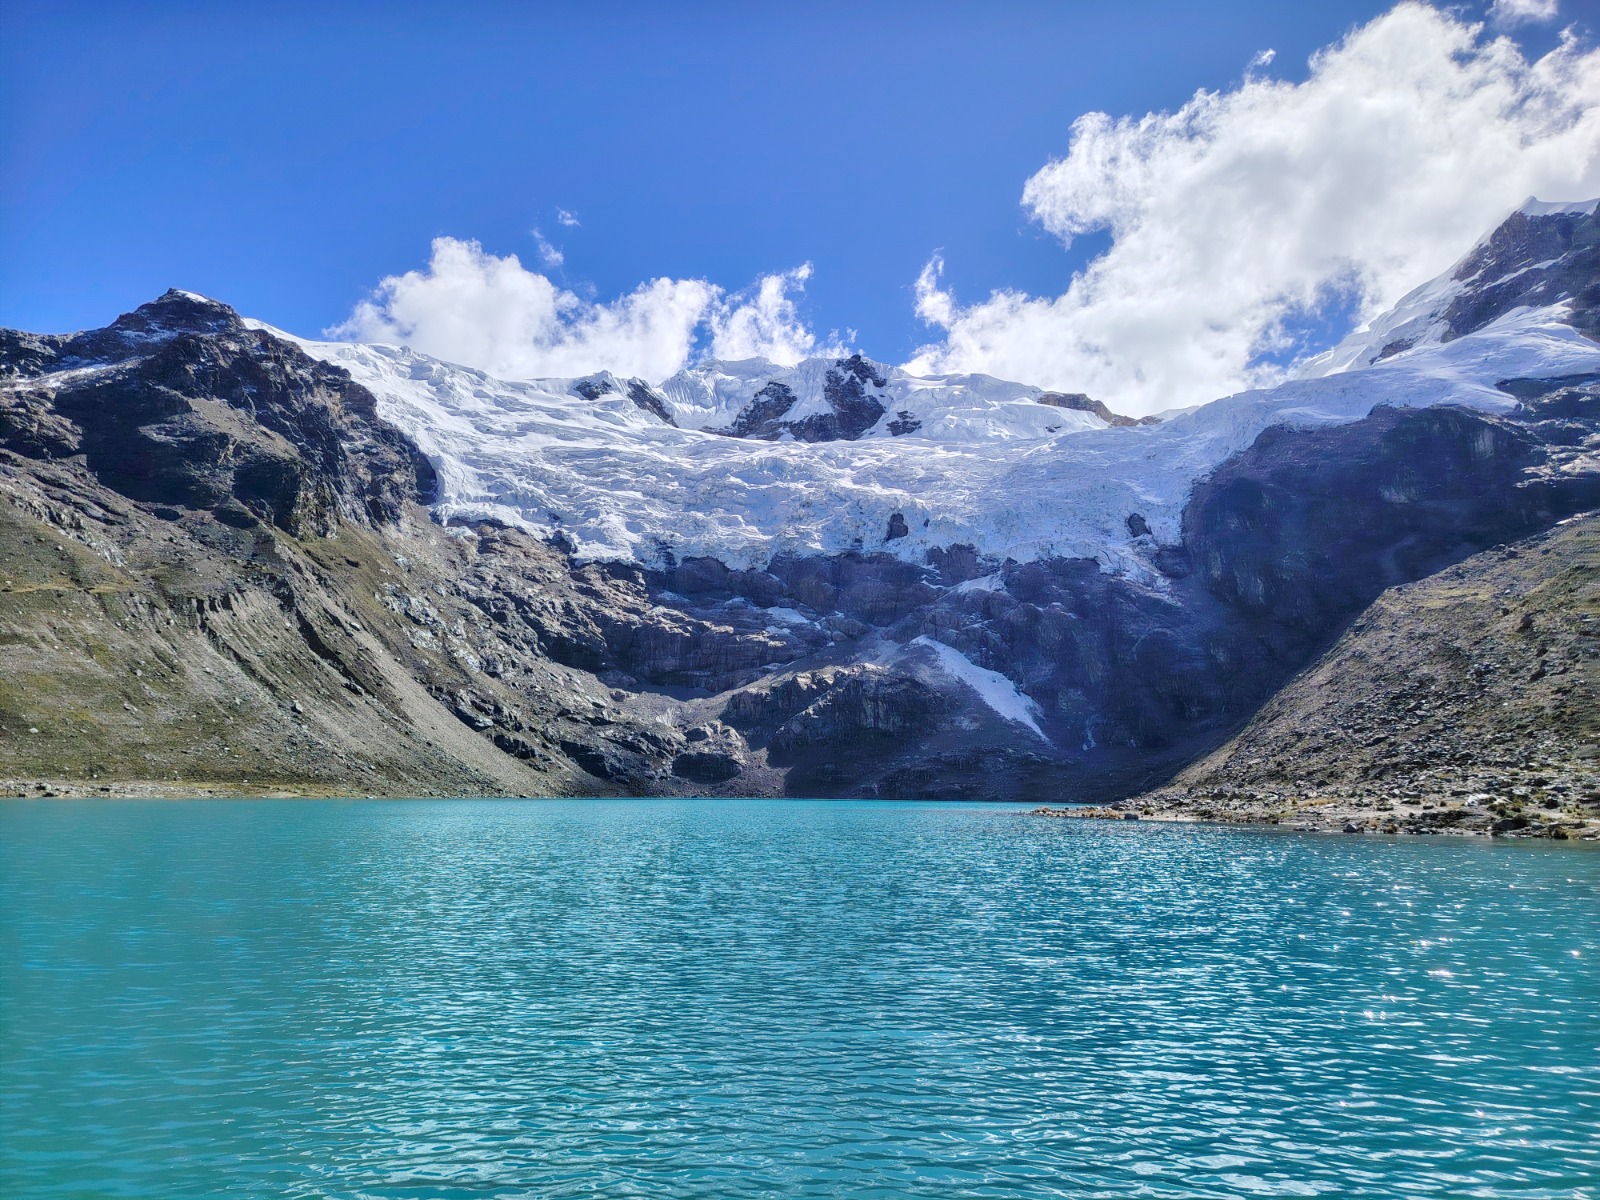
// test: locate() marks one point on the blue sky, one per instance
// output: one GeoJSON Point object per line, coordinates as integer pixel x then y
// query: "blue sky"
{"type": "Point", "coordinates": [285, 158]}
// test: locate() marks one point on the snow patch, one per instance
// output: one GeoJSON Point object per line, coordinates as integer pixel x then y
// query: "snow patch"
{"type": "Point", "coordinates": [786, 616]}
{"type": "Point", "coordinates": [1533, 207]}
{"type": "Point", "coordinates": [993, 688]}
{"type": "Point", "coordinates": [984, 583]}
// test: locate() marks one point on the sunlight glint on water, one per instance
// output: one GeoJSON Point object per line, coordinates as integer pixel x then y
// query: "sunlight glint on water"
{"type": "Point", "coordinates": [731, 998]}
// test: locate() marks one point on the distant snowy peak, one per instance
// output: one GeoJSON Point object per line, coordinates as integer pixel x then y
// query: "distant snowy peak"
{"type": "Point", "coordinates": [854, 398]}
{"type": "Point", "coordinates": [1534, 207]}
{"type": "Point", "coordinates": [820, 400]}
{"type": "Point", "coordinates": [746, 461]}
{"type": "Point", "coordinates": [1541, 256]}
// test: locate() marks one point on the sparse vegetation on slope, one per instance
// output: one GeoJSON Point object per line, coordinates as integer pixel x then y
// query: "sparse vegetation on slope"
{"type": "Point", "coordinates": [1466, 702]}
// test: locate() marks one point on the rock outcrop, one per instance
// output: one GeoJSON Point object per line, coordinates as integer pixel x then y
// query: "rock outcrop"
{"type": "Point", "coordinates": [850, 388]}
{"type": "Point", "coordinates": [1468, 702]}
{"type": "Point", "coordinates": [1078, 402]}
{"type": "Point", "coordinates": [224, 569]}
{"type": "Point", "coordinates": [180, 404]}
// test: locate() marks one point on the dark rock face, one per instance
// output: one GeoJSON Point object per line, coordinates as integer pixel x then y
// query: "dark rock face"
{"type": "Point", "coordinates": [956, 564]}
{"type": "Point", "coordinates": [904, 422]}
{"type": "Point", "coordinates": [1306, 526]}
{"type": "Point", "coordinates": [1079, 402]}
{"type": "Point", "coordinates": [704, 766]}
{"type": "Point", "coordinates": [204, 413]}
{"type": "Point", "coordinates": [1533, 261]}
{"type": "Point", "coordinates": [644, 397]}
{"type": "Point", "coordinates": [648, 399]}
{"type": "Point", "coordinates": [830, 728]}
{"type": "Point", "coordinates": [26, 354]}
{"type": "Point", "coordinates": [1468, 698]}
{"type": "Point", "coordinates": [853, 410]}
{"type": "Point", "coordinates": [1561, 413]}
{"type": "Point", "coordinates": [874, 588]}
{"type": "Point", "coordinates": [611, 621]}
{"type": "Point", "coordinates": [592, 389]}
{"type": "Point", "coordinates": [762, 417]}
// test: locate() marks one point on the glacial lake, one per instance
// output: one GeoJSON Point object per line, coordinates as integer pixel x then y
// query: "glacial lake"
{"type": "Point", "coordinates": [669, 998]}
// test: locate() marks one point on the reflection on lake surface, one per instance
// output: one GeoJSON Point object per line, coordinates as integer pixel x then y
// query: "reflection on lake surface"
{"type": "Point", "coordinates": [754, 998]}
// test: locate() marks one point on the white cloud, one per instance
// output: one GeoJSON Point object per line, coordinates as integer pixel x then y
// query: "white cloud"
{"type": "Point", "coordinates": [563, 217]}
{"type": "Point", "coordinates": [1507, 13]}
{"type": "Point", "coordinates": [472, 307]}
{"type": "Point", "coordinates": [1246, 208]}
{"type": "Point", "coordinates": [767, 325]}
{"type": "Point", "coordinates": [548, 254]}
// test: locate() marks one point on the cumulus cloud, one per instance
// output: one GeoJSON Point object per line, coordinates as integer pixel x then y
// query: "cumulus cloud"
{"type": "Point", "coordinates": [476, 308]}
{"type": "Point", "coordinates": [563, 217]}
{"type": "Point", "coordinates": [1518, 12]}
{"type": "Point", "coordinates": [767, 324]}
{"type": "Point", "coordinates": [1250, 208]}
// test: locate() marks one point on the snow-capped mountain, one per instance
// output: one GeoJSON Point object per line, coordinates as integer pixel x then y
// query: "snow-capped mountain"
{"type": "Point", "coordinates": [1543, 258]}
{"type": "Point", "coordinates": [836, 578]}
{"type": "Point", "coordinates": [741, 461]}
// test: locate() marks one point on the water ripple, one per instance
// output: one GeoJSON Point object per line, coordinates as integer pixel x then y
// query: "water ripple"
{"type": "Point", "coordinates": [685, 998]}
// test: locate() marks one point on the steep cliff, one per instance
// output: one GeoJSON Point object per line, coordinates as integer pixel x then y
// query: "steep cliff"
{"type": "Point", "coordinates": [229, 555]}
{"type": "Point", "coordinates": [1466, 702]}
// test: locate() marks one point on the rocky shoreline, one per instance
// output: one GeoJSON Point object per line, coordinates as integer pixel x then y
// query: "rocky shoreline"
{"type": "Point", "coordinates": [1466, 703]}
{"type": "Point", "coordinates": [1469, 818]}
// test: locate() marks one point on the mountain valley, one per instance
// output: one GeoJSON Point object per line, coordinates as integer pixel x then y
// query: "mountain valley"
{"type": "Point", "coordinates": [237, 562]}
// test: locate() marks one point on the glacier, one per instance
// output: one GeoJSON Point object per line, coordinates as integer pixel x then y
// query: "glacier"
{"type": "Point", "coordinates": [952, 460]}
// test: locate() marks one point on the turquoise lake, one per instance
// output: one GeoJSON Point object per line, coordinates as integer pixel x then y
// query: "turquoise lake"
{"type": "Point", "coordinates": [671, 998]}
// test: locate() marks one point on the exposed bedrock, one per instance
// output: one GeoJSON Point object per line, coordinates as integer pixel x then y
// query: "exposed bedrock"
{"type": "Point", "coordinates": [1466, 701]}
{"type": "Point", "coordinates": [219, 565]}
{"type": "Point", "coordinates": [202, 412]}
{"type": "Point", "coordinates": [1129, 680]}
{"type": "Point", "coordinates": [1531, 261]}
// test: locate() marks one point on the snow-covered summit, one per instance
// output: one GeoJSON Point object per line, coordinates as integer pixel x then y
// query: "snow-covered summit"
{"type": "Point", "coordinates": [1534, 207]}
{"type": "Point", "coordinates": [1538, 257]}
{"type": "Point", "coordinates": [743, 461]}
{"type": "Point", "coordinates": [855, 398]}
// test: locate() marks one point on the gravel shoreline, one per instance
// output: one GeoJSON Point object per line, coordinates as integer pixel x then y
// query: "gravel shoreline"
{"type": "Point", "coordinates": [1469, 818]}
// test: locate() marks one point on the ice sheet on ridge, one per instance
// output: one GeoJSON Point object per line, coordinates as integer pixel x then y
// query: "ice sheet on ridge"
{"type": "Point", "coordinates": [620, 484]}
{"type": "Point", "coordinates": [1420, 319]}
{"type": "Point", "coordinates": [1533, 207]}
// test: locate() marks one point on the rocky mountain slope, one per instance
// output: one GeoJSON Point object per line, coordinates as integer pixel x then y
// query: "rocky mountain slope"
{"type": "Point", "coordinates": [236, 561]}
{"type": "Point", "coordinates": [1466, 702]}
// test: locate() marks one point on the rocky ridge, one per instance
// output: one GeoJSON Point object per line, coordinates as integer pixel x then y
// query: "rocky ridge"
{"type": "Point", "coordinates": [225, 569]}
{"type": "Point", "coordinates": [1468, 702]}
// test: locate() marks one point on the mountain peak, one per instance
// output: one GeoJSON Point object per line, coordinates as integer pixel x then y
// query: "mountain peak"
{"type": "Point", "coordinates": [1543, 255]}
{"type": "Point", "coordinates": [178, 311]}
{"type": "Point", "coordinates": [172, 314]}
{"type": "Point", "coordinates": [1534, 207]}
